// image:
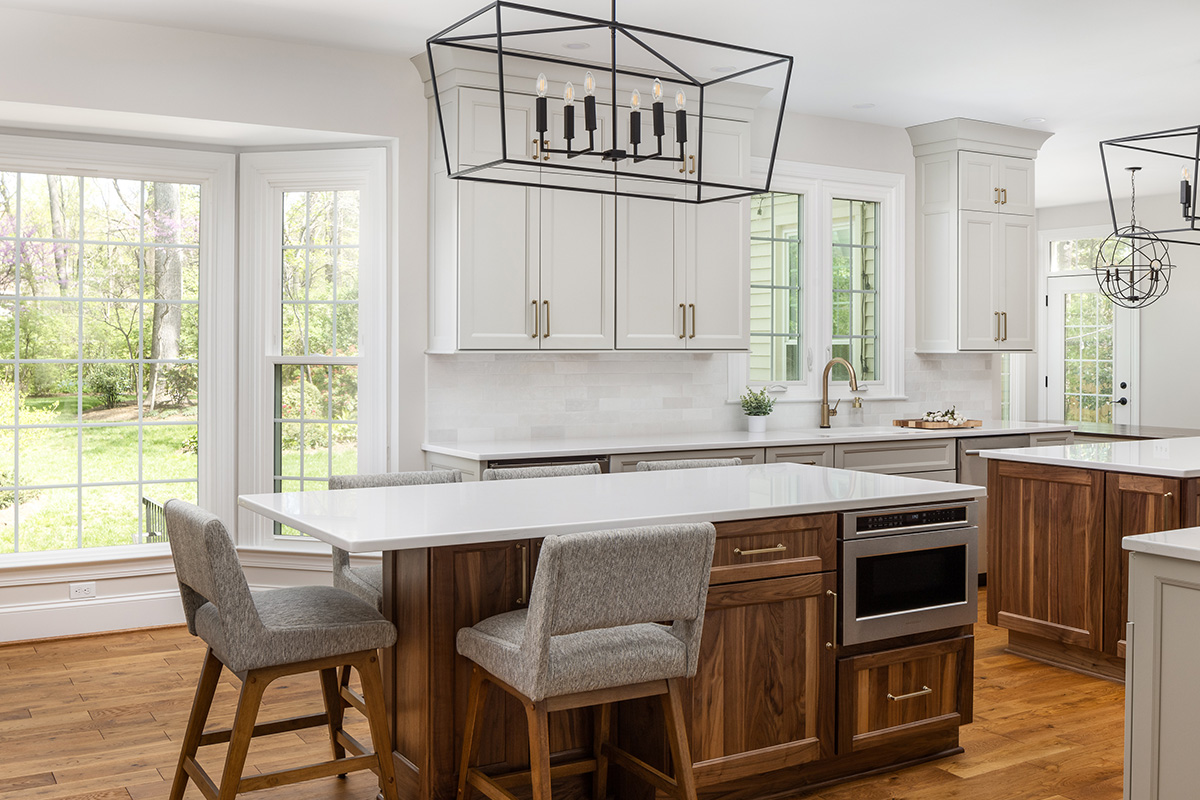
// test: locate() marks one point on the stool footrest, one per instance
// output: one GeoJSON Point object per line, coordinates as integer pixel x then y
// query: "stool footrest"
{"type": "Point", "coordinates": [651, 775]}
{"type": "Point", "coordinates": [267, 728]}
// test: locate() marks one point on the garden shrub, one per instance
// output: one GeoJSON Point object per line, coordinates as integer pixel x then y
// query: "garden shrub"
{"type": "Point", "coordinates": [109, 381]}
{"type": "Point", "coordinates": [178, 382]}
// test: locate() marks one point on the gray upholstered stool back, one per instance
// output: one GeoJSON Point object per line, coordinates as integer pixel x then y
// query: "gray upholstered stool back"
{"type": "Point", "coordinates": [687, 463]}
{"type": "Point", "coordinates": [418, 478]}
{"type": "Point", "coordinates": [605, 579]}
{"type": "Point", "coordinates": [552, 471]}
{"type": "Point", "coordinates": [207, 566]}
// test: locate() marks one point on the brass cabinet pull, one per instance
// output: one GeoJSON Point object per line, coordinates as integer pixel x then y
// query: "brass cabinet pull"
{"type": "Point", "coordinates": [1168, 498]}
{"type": "Point", "coordinates": [692, 306]}
{"type": "Point", "coordinates": [682, 320]}
{"type": "Point", "coordinates": [1004, 194]}
{"type": "Point", "coordinates": [546, 146]}
{"type": "Point", "coordinates": [897, 698]}
{"type": "Point", "coordinates": [833, 630]}
{"type": "Point", "coordinates": [523, 599]}
{"type": "Point", "coordinates": [1004, 316]}
{"type": "Point", "coordinates": [996, 338]}
{"type": "Point", "coordinates": [779, 548]}
{"type": "Point", "coordinates": [537, 151]}
{"type": "Point", "coordinates": [997, 200]}
{"type": "Point", "coordinates": [546, 335]}
{"type": "Point", "coordinates": [692, 171]}
{"type": "Point", "coordinates": [537, 320]}
{"type": "Point", "coordinates": [683, 165]}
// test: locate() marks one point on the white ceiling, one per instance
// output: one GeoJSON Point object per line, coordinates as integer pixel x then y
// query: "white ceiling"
{"type": "Point", "coordinates": [1093, 69]}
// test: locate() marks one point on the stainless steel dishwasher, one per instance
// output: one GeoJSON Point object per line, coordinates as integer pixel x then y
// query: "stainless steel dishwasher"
{"type": "Point", "coordinates": [972, 469]}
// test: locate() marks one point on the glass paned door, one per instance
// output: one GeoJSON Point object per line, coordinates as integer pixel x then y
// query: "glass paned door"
{"type": "Point", "coordinates": [1090, 366]}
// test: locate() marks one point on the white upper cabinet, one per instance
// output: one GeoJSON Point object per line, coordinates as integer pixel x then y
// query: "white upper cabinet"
{"type": "Point", "coordinates": [976, 234]}
{"type": "Point", "coordinates": [718, 280]}
{"type": "Point", "coordinates": [1001, 184]}
{"type": "Point", "coordinates": [576, 273]}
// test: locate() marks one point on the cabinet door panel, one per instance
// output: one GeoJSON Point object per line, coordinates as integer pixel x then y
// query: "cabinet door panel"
{"type": "Point", "coordinates": [763, 696]}
{"type": "Point", "coordinates": [1046, 551]}
{"type": "Point", "coordinates": [480, 141]}
{"type": "Point", "coordinates": [650, 274]}
{"type": "Point", "coordinates": [978, 323]}
{"type": "Point", "coordinates": [1134, 504]}
{"type": "Point", "coordinates": [719, 277]}
{"type": "Point", "coordinates": [978, 182]}
{"type": "Point", "coordinates": [726, 157]}
{"type": "Point", "coordinates": [1017, 324]}
{"type": "Point", "coordinates": [497, 250]}
{"type": "Point", "coordinates": [577, 238]}
{"type": "Point", "coordinates": [1016, 181]}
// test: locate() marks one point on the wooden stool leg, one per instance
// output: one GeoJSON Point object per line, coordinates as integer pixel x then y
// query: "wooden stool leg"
{"type": "Point", "coordinates": [539, 749]}
{"type": "Point", "coordinates": [603, 722]}
{"type": "Point", "coordinates": [206, 687]}
{"type": "Point", "coordinates": [243, 731]}
{"type": "Point", "coordinates": [475, 701]}
{"type": "Point", "coordinates": [372, 684]}
{"type": "Point", "coordinates": [334, 709]}
{"type": "Point", "coordinates": [681, 754]}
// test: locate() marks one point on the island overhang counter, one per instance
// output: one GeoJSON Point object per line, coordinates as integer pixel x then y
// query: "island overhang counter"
{"type": "Point", "coordinates": [1057, 573]}
{"type": "Point", "coordinates": [777, 705]}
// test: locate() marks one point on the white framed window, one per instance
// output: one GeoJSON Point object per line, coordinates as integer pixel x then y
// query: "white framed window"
{"type": "Point", "coordinates": [827, 257]}
{"type": "Point", "coordinates": [1088, 369]}
{"type": "Point", "coordinates": [313, 321]}
{"type": "Point", "coordinates": [116, 345]}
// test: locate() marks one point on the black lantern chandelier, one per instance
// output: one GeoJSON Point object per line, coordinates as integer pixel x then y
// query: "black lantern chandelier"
{"type": "Point", "coordinates": [1173, 152]}
{"type": "Point", "coordinates": [609, 155]}
{"type": "Point", "coordinates": [1133, 266]}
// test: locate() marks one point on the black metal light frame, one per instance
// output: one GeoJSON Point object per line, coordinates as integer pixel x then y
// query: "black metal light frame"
{"type": "Point", "coordinates": [1188, 156]}
{"type": "Point", "coordinates": [689, 189]}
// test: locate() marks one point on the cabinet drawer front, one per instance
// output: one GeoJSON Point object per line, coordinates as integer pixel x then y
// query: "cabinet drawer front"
{"type": "Point", "coordinates": [894, 457]}
{"type": "Point", "coordinates": [909, 691]}
{"type": "Point", "coordinates": [817, 455]}
{"type": "Point", "coordinates": [770, 548]}
{"type": "Point", "coordinates": [627, 462]}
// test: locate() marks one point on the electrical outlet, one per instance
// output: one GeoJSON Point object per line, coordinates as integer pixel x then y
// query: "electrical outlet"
{"type": "Point", "coordinates": [83, 591]}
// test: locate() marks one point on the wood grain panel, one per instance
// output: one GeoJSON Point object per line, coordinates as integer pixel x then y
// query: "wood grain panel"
{"type": "Point", "coordinates": [765, 682]}
{"type": "Point", "coordinates": [1046, 548]}
{"type": "Point", "coordinates": [1133, 504]}
{"type": "Point", "coordinates": [809, 545]}
{"type": "Point", "coordinates": [869, 717]}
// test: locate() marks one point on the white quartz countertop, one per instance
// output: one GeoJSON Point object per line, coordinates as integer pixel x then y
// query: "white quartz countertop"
{"type": "Point", "coordinates": [1183, 543]}
{"type": "Point", "coordinates": [1169, 458]}
{"type": "Point", "coordinates": [489, 450]}
{"type": "Point", "coordinates": [407, 517]}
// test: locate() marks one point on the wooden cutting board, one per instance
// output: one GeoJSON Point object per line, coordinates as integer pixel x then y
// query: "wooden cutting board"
{"type": "Point", "coordinates": [920, 423]}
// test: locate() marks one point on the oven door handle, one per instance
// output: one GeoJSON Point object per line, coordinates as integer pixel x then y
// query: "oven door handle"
{"type": "Point", "coordinates": [831, 645]}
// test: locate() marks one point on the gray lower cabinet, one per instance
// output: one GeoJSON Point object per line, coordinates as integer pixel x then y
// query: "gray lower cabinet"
{"type": "Point", "coordinates": [627, 462]}
{"type": "Point", "coordinates": [896, 458]}
{"type": "Point", "coordinates": [815, 455]}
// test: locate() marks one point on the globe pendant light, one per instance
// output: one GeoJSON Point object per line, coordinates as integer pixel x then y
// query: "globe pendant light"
{"type": "Point", "coordinates": [1133, 267]}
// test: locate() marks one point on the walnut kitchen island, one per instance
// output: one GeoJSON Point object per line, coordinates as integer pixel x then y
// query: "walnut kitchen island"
{"type": "Point", "coordinates": [1057, 574]}
{"type": "Point", "coordinates": [777, 705]}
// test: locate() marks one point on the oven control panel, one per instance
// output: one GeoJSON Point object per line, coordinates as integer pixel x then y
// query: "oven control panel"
{"type": "Point", "coordinates": [905, 520]}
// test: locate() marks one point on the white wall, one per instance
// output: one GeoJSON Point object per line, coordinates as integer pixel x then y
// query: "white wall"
{"type": "Point", "coordinates": [1169, 328]}
{"type": "Point", "coordinates": [116, 77]}
{"type": "Point", "coordinates": [521, 396]}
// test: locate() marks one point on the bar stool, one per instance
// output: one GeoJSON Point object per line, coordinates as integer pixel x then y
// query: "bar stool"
{"type": "Point", "coordinates": [367, 582]}
{"type": "Point", "coordinates": [590, 637]}
{"type": "Point", "coordinates": [687, 463]}
{"type": "Point", "coordinates": [551, 471]}
{"type": "Point", "coordinates": [264, 636]}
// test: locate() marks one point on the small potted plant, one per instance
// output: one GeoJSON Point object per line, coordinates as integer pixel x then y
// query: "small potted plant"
{"type": "Point", "coordinates": [756, 406]}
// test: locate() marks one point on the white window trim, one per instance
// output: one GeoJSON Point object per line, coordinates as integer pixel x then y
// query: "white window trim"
{"type": "Point", "coordinates": [1045, 238]}
{"type": "Point", "coordinates": [217, 413]}
{"type": "Point", "coordinates": [820, 184]}
{"type": "Point", "coordinates": [264, 177]}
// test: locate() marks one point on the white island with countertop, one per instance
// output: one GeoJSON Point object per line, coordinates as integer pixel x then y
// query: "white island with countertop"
{"type": "Point", "coordinates": [779, 702]}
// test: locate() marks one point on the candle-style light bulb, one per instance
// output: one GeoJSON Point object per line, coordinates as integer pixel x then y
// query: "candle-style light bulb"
{"type": "Point", "coordinates": [658, 90]}
{"type": "Point", "coordinates": [589, 83]}
{"type": "Point", "coordinates": [540, 112]}
{"type": "Point", "coordinates": [680, 100]}
{"type": "Point", "coordinates": [542, 84]}
{"type": "Point", "coordinates": [635, 100]}
{"type": "Point", "coordinates": [569, 93]}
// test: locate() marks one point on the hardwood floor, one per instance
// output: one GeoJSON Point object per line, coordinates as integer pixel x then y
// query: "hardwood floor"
{"type": "Point", "coordinates": [99, 718]}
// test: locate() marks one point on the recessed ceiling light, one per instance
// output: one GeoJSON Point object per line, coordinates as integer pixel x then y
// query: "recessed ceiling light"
{"type": "Point", "coordinates": [863, 105]}
{"type": "Point", "coordinates": [1034, 120]}
{"type": "Point", "coordinates": [723, 69]}
{"type": "Point", "coordinates": [577, 45]}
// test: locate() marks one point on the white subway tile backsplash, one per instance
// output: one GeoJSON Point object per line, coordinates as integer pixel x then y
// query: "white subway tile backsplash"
{"type": "Point", "coordinates": [545, 395]}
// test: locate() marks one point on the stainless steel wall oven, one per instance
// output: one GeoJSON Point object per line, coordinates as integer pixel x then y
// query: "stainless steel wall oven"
{"type": "Point", "coordinates": [907, 570]}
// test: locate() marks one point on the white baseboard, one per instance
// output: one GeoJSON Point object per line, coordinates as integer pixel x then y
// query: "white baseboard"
{"type": "Point", "coordinates": [73, 617]}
